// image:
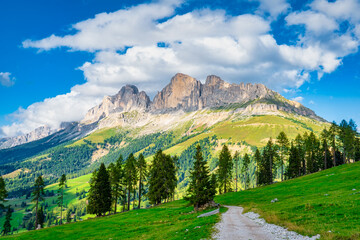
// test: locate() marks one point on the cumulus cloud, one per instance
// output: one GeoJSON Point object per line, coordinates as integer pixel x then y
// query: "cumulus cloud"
{"type": "Point", "coordinates": [274, 7]}
{"type": "Point", "coordinates": [147, 44]}
{"type": "Point", "coordinates": [6, 80]}
{"type": "Point", "coordinates": [298, 99]}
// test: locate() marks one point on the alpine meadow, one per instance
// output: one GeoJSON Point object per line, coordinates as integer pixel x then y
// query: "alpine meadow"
{"type": "Point", "coordinates": [176, 119]}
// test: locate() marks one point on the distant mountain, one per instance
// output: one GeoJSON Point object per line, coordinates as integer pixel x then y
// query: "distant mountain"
{"type": "Point", "coordinates": [182, 94]}
{"type": "Point", "coordinates": [188, 94]}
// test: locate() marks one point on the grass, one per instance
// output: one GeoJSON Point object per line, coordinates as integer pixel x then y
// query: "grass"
{"type": "Point", "coordinates": [173, 220]}
{"type": "Point", "coordinates": [321, 203]}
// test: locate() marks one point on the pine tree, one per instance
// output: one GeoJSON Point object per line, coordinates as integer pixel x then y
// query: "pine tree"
{"type": "Point", "coordinates": [38, 195]}
{"type": "Point", "coordinates": [116, 180]}
{"type": "Point", "coordinates": [299, 145]}
{"type": "Point", "coordinates": [283, 144]}
{"type": "Point", "coordinates": [200, 189]}
{"type": "Point", "coordinates": [162, 178]}
{"type": "Point", "coordinates": [267, 164]}
{"type": "Point", "coordinates": [224, 170]}
{"type": "Point", "coordinates": [60, 198]}
{"type": "Point", "coordinates": [3, 193]}
{"type": "Point", "coordinates": [236, 162]}
{"type": "Point", "coordinates": [41, 217]}
{"type": "Point", "coordinates": [357, 149]}
{"type": "Point", "coordinates": [7, 224]}
{"type": "Point", "coordinates": [100, 198]}
{"type": "Point", "coordinates": [142, 170]}
{"type": "Point", "coordinates": [68, 216]}
{"type": "Point", "coordinates": [324, 142]}
{"type": "Point", "coordinates": [130, 176]}
{"type": "Point", "coordinates": [258, 162]}
{"type": "Point", "coordinates": [245, 169]}
{"type": "Point", "coordinates": [294, 168]}
{"type": "Point", "coordinates": [333, 132]}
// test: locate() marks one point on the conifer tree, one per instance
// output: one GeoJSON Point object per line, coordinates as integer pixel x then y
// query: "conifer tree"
{"type": "Point", "coordinates": [299, 145]}
{"type": "Point", "coordinates": [325, 147]}
{"type": "Point", "coordinates": [236, 162]}
{"type": "Point", "coordinates": [333, 132]}
{"type": "Point", "coordinates": [41, 217]}
{"type": "Point", "coordinates": [38, 195]}
{"type": "Point", "coordinates": [267, 164]}
{"type": "Point", "coordinates": [200, 189]}
{"type": "Point", "coordinates": [7, 224]}
{"type": "Point", "coordinates": [357, 149]}
{"type": "Point", "coordinates": [162, 178]}
{"type": "Point", "coordinates": [294, 168]}
{"type": "Point", "coordinates": [68, 216]}
{"type": "Point", "coordinates": [130, 172]}
{"type": "Point", "coordinates": [116, 175]}
{"type": "Point", "coordinates": [245, 169]}
{"type": "Point", "coordinates": [142, 170]}
{"type": "Point", "coordinates": [100, 198]}
{"type": "Point", "coordinates": [3, 193]}
{"type": "Point", "coordinates": [258, 162]}
{"type": "Point", "coordinates": [224, 170]}
{"type": "Point", "coordinates": [60, 198]}
{"type": "Point", "coordinates": [283, 144]}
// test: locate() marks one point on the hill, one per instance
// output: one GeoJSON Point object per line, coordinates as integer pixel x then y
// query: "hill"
{"type": "Point", "coordinates": [173, 220]}
{"type": "Point", "coordinates": [325, 203]}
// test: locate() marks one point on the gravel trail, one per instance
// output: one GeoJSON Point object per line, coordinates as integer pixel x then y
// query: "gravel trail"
{"type": "Point", "coordinates": [235, 225]}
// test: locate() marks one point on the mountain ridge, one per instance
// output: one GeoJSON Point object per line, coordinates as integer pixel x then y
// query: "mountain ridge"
{"type": "Point", "coordinates": [183, 94]}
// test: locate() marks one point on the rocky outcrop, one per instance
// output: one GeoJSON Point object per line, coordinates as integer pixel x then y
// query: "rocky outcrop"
{"type": "Point", "coordinates": [127, 99]}
{"type": "Point", "coordinates": [182, 93]}
{"type": "Point", "coordinates": [38, 133]}
{"type": "Point", "coordinates": [188, 94]}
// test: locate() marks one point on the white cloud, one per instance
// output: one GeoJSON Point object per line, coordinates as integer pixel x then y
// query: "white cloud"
{"type": "Point", "coordinates": [317, 23]}
{"type": "Point", "coordinates": [201, 42]}
{"type": "Point", "coordinates": [6, 80]}
{"type": "Point", "coordinates": [298, 99]}
{"type": "Point", "coordinates": [274, 7]}
{"type": "Point", "coordinates": [340, 9]}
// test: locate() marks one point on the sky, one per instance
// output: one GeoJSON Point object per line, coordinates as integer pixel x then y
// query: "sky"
{"type": "Point", "coordinates": [59, 58]}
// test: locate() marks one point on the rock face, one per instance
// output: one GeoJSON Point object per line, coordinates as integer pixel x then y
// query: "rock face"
{"type": "Point", "coordinates": [188, 94]}
{"type": "Point", "coordinates": [182, 93]}
{"type": "Point", "coordinates": [127, 99]}
{"type": "Point", "coordinates": [38, 133]}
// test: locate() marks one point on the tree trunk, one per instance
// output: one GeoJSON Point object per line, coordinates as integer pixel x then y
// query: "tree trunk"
{"type": "Point", "coordinates": [271, 174]}
{"type": "Point", "coordinates": [129, 194]}
{"type": "Point", "coordinates": [333, 150]}
{"type": "Point", "coordinates": [139, 191]}
{"type": "Point", "coordinates": [325, 160]}
{"type": "Point", "coordinates": [116, 199]}
{"type": "Point", "coordinates": [36, 212]}
{"type": "Point", "coordinates": [236, 175]}
{"type": "Point", "coordinates": [282, 167]}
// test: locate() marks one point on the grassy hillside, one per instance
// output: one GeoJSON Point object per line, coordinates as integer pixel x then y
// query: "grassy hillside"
{"type": "Point", "coordinates": [173, 220]}
{"type": "Point", "coordinates": [79, 158]}
{"type": "Point", "coordinates": [325, 203]}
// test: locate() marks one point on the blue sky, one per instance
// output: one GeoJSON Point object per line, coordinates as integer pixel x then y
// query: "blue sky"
{"type": "Point", "coordinates": [59, 58]}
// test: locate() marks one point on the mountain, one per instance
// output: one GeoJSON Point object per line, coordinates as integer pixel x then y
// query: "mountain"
{"type": "Point", "coordinates": [188, 94]}
{"type": "Point", "coordinates": [184, 94]}
{"type": "Point", "coordinates": [38, 133]}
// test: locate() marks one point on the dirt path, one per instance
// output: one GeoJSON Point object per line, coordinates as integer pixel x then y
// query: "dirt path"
{"type": "Point", "coordinates": [235, 225]}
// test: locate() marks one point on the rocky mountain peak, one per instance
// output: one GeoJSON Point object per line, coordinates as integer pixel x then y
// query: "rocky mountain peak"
{"type": "Point", "coordinates": [213, 80]}
{"type": "Point", "coordinates": [177, 94]}
{"type": "Point", "coordinates": [127, 99]}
